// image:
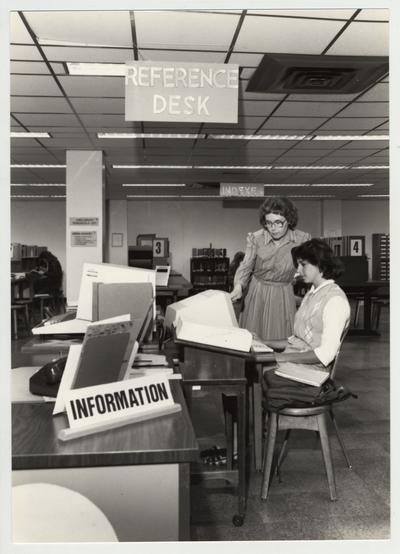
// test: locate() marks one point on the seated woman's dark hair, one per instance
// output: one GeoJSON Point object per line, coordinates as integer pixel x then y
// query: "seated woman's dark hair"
{"type": "Point", "coordinates": [280, 206]}
{"type": "Point", "coordinates": [318, 252]}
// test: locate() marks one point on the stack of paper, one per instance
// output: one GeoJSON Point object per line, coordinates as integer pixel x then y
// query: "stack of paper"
{"type": "Point", "coordinates": [303, 373]}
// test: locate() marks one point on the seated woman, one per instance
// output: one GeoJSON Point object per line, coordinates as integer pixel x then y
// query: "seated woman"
{"type": "Point", "coordinates": [318, 326]}
{"type": "Point", "coordinates": [48, 275]}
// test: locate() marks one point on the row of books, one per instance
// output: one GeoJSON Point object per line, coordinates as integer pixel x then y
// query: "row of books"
{"type": "Point", "coordinates": [18, 251]}
{"type": "Point", "coordinates": [209, 252]}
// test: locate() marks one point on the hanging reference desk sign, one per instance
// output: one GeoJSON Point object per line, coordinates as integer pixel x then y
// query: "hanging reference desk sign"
{"type": "Point", "coordinates": [238, 190]}
{"type": "Point", "coordinates": [102, 407]}
{"type": "Point", "coordinates": [177, 91]}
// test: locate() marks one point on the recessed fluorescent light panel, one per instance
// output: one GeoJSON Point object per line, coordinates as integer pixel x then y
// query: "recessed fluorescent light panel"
{"type": "Point", "coordinates": [370, 167]}
{"type": "Point", "coordinates": [150, 136]}
{"type": "Point", "coordinates": [38, 165]}
{"type": "Point", "coordinates": [38, 196]}
{"type": "Point", "coordinates": [343, 185]}
{"type": "Point", "coordinates": [310, 167]}
{"type": "Point", "coordinates": [25, 134]}
{"type": "Point", "coordinates": [99, 69]}
{"type": "Point", "coordinates": [260, 137]}
{"type": "Point", "coordinates": [37, 185]}
{"type": "Point", "coordinates": [373, 196]}
{"type": "Point", "coordinates": [351, 137]}
{"type": "Point", "coordinates": [149, 185]}
{"type": "Point", "coordinates": [232, 166]}
{"type": "Point", "coordinates": [152, 166]}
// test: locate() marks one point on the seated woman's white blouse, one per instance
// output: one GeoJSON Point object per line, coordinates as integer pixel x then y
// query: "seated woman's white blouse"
{"type": "Point", "coordinates": [335, 316]}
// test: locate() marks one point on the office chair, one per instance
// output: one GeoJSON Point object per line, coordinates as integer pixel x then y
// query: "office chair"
{"type": "Point", "coordinates": [309, 418]}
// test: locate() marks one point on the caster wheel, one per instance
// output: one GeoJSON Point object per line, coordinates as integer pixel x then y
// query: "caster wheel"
{"type": "Point", "coordinates": [238, 520]}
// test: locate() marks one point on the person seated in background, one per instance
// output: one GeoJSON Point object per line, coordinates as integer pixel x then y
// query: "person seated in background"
{"type": "Point", "coordinates": [237, 259]}
{"type": "Point", "coordinates": [319, 322]}
{"type": "Point", "coordinates": [47, 277]}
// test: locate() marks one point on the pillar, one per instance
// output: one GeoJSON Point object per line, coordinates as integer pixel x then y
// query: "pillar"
{"type": "Point", "coordinates": [85, 211]}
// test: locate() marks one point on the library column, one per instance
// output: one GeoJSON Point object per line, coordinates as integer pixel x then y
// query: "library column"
{"type": "Point", "coordinates": [331, 218]}
{"type": "Point", "coordinates": [85, 211]}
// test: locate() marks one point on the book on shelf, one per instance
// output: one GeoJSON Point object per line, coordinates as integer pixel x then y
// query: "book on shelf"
{"type": "Point", "coordinates": [302, 373]}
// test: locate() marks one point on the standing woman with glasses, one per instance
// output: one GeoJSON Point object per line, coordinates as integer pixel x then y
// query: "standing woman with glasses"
{"type": "Point", "coordinates": [268, 271]}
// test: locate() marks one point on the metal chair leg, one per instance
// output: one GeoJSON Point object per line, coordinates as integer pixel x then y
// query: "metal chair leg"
{"type": "Point", "coordinates": [326, 453]}
{"type": "Point", "coordinates": [349, 465]}
{"type": "Point", "coordinates": [272, 431]}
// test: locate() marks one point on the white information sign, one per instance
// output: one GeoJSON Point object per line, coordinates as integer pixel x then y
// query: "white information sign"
{"type": "Point", "coordinates": [178, 91]}
{"type": "Point", "coordinates": [137, 396]}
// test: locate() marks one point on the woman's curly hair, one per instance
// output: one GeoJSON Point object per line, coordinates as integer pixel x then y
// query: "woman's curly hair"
{"type": "Point", "coordinates": [318, 253]}
{"type": "Point", "coordinates": [280, 206]}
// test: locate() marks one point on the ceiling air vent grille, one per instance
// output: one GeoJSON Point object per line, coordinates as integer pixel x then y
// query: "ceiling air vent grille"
{"type": "Point", "coordinates": [304, 73]}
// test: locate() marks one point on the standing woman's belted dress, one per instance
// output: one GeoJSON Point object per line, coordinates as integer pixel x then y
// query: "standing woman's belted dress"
{"type": "Point", "coordinates": [269, 305]}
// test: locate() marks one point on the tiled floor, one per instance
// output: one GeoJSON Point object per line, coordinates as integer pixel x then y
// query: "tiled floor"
{"type": "Point", "coordinates": [299, 507]}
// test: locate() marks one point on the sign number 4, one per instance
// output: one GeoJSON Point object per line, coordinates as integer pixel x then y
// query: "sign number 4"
{"type": "Point", "coordinates": [355, 247]}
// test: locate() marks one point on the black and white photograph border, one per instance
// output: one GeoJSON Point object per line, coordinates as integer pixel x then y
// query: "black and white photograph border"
{"type": "Point", "coordinates": [359, 544]}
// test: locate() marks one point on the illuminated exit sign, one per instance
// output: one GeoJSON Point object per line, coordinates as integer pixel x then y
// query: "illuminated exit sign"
{"type": "Point", "coordinates": [237, 190]}
{"type": "Point", "coordinates": [177, 91]}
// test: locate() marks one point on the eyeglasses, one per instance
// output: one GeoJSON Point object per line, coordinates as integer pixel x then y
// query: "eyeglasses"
{"type": "Point", "coordinates": [279, 223]}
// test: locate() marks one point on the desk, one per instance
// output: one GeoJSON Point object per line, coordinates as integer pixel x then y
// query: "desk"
{"type": "Point", "coordinates": [138, 475]}
{"type": "Point", "coordinates": [230, 372]}
{"type": "Point", "coordinates": [367, 291]}
{"type": "Point", "coordinates": [177, 286]}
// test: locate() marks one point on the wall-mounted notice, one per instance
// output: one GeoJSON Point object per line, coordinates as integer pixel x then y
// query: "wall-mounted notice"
{"type": "Point", "coordinates": [83, 220]}
{"type": "Point", "coordinates": [177, 91]}
{"type": "Point", "coordinates": [83, 238]}
{"type": "Point", "coordinates": [233, 189]}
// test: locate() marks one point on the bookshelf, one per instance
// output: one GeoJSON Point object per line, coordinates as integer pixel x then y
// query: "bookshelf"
{"type": "Point", "coordinates": [209, 269]}
{"type": "Point", "coordinates": [380, 257]}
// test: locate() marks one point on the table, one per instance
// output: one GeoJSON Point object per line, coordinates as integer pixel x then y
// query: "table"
{"type": "Point", "coordinates": [138, 475]}
{"type": "Point", "coordinates": [177, 286]}
{"type": "Point", "coordinates": [230, 372]}
{"type": "Point", "coordinates": [366, 290]}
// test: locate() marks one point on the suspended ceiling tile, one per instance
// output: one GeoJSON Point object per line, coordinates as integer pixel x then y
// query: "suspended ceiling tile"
{"type": "Point", "coordinates": [343, 98]}
{"type": "Point", "coordinates": [104, 121]}
{"type": "Point", "coordinates": [24, 143]}
{"type": "Point", "coordinates": [18, 32]}
{"type": "Point", "coordinates": [58, 68]}
{"type": "Point", "coordinates": [261, 96]}
{"type": "Point", "coordinates": [263, 34]}
{"type": "Point", "coordinates": [199, 31]}
{"type": "Point", "coordinates": [366, 109]}
{"type": "Point", "coordinates": [182, 56]}
{"type": "Point", "coordinates": [256, 108]}
{"type": "Point", "coordinates": [47, 119]}
{"type": "Point", "coordinates": [374, 15]}
{"type": "Point", "coordinates": [25, 53]}
{"type": "Point", "coordinates": [34, 85]}
{"type": "Point", "coordinates": [351, 124]}
{"type": "Point", "coordinates": [246, 60]}
{"type": "Point", "coordinates": [93, 86]}
{"type": "Point", "coordinates": [352, 42]}
{"type": "Point", "coordinates": [304, 109]}
{"type": "Point", "coordinates": [321, 14]}
{"type": "Point", "coordinates": [71, 143]}
{"type": "Point", "coordinates": [89, 55]}
{"type": "Point", "coordinates": [29, 67]}
{"type": "Point", "coordinates": [39, 104]}
{"type": "Point", "coordinates": [97, 28]}
{"type": "Point", "coordinates": [292, 124]}
{"type": "Point", "coordinates": [99, 105]}
{"type": "Point", "coordinates": [379, 93]}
